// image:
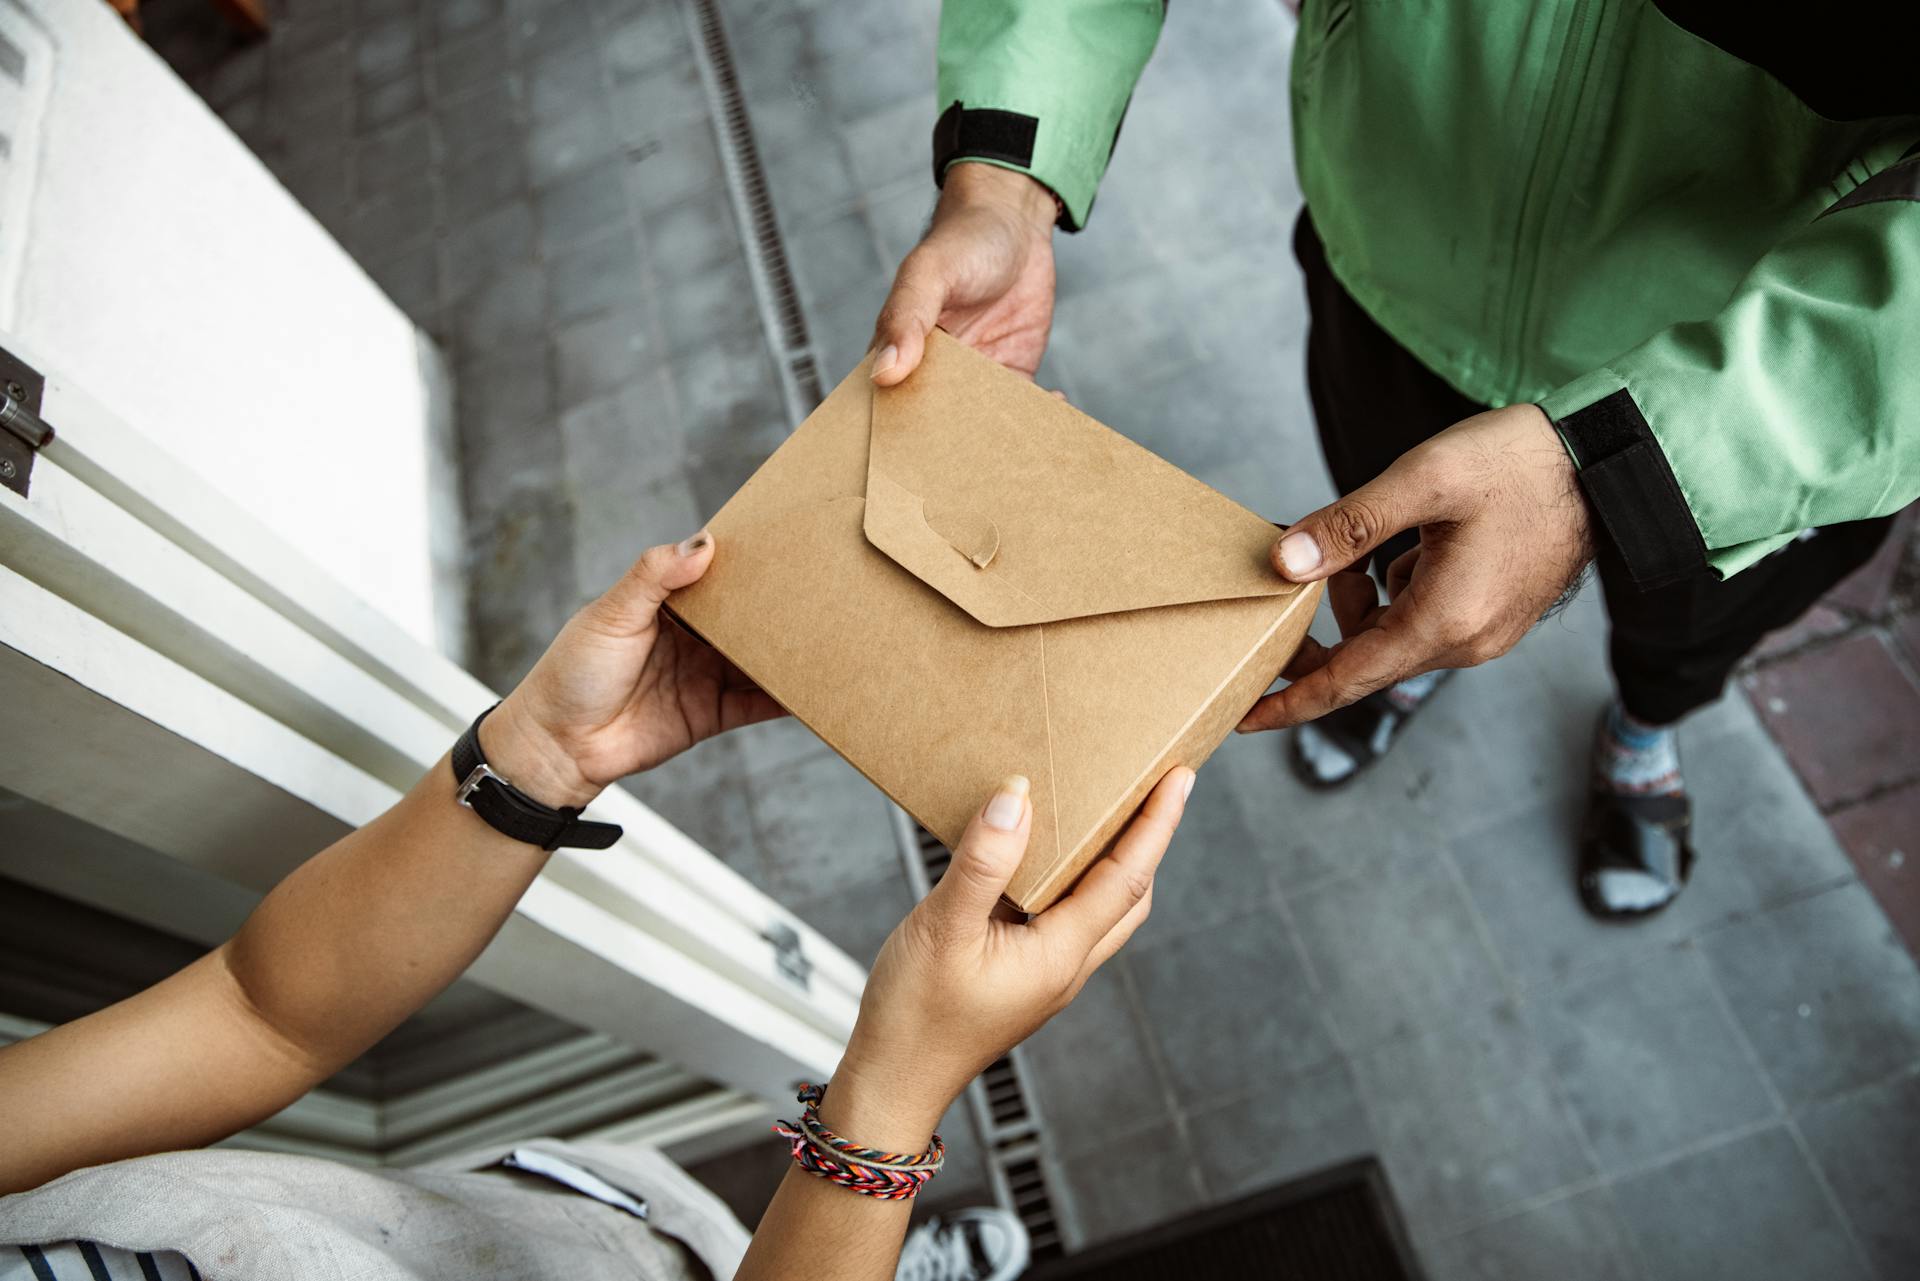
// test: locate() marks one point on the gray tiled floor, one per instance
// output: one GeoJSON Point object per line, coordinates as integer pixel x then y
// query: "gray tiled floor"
{"type": "Point", "coordinates": [1649, 1060]}
{"type": "Point", "coordinates": [1774, 1220]}
{"type": "Point", "coordinates": [1728, 1090]}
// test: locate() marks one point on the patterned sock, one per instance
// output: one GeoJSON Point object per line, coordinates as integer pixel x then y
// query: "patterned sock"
{"type": "Point", "coordinates": [1413, 691]}
{"type": "Point", "coordinates": [1633, 758]}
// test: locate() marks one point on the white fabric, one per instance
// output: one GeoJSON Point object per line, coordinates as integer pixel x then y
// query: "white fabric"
{"type": "Point", "coordinates": [567, 1174]}
{"type": "Point", "coordinates": [257, 1216]}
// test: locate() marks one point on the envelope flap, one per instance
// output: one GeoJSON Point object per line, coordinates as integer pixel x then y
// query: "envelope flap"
{"type": "Point", "coordinates": [1020, 509]}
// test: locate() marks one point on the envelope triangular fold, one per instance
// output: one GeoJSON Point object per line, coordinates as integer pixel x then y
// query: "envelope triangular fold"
{"type": "Point", "coordinates": [966, 439]}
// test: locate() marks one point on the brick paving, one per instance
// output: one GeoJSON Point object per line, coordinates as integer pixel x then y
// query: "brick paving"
{"type": "Point", "coordinates": [1840, 693]}
{"type": "Point", "coordinates": [1399, 969]}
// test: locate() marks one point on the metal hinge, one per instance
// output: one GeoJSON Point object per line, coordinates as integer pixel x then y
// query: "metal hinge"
{"type": "Point", "coordinates": [22, 431]}
{"type": "Point", "coordinates": [787, 954]}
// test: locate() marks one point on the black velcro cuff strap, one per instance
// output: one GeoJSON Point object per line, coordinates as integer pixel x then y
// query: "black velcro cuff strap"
{"type": "Point", "coordinates": [1631, 487]}
{"type": "Point", "coordinates": [982, 133]}
{"type": "Point", "coordinates": [985, 133]}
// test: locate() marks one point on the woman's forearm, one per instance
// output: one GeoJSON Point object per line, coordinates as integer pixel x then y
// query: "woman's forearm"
{"type": "Point", "coordinates": [369, 930]}
{"type": "Point", "coordinates": [350, 944]}
{"type": "Point", "coordinates": [952, 988]}
{"type": "Point", "coordinates": [817, 1231]}
{"type": "Point", "coordinates": [373, 926]}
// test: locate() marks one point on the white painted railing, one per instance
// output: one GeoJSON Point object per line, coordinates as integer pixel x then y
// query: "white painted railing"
{"type": "Point", "coordinates": [176, 675]}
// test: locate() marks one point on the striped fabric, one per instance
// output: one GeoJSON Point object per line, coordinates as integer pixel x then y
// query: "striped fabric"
{"type": "Point", "coordinates": [86, 1261]}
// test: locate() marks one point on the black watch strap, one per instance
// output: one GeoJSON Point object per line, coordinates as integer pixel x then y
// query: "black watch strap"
{"type": "Point", "coordinates": [508, 810]}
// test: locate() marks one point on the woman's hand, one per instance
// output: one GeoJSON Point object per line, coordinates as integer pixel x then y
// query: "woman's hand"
{"type": "Point", "coordinates": [956, 985]}
{"type": "Point", "coordinates": [620, 691]}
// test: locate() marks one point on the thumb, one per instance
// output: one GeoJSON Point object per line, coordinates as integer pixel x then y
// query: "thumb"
{"type": "Point", "coordinates": [634, 601]}
{"type": "Point", "coordinates": [1337, 535]}
{"type": "Point", "coordinates": [986, 859]}
{"type": "Point", "coordinates": [911, 311]}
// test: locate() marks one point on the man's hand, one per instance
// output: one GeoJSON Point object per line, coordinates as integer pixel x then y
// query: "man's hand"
{"type": "Point", "coordinates": [984, 273]}
{"type": "Point", "coordinates": [620, 691]}
{"type": "Point", "coordinates": [1504, 534]}
{"type": "Point", "coordinates": [957, 984]}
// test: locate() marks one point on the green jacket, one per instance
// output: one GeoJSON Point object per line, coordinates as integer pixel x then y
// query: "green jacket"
{"type": "Point", "coordinates": [1685, 229]}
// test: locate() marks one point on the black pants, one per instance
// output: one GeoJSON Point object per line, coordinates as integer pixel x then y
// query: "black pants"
{"type": "Point", "coordinates": [1673, 647]}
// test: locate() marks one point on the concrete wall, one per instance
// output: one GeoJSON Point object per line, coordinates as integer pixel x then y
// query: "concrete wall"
{"type": "Point", "coordinates": [149, 258]}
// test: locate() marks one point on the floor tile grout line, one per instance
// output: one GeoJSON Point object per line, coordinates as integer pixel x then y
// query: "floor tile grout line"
{"type": "Point", "coordinates": [1107, 1138]}
{"type": "Point", "coordinates": [1162, 1069]}
{"type": "Point", "coordinates": [1315, 983]}
{"type": "Point", "coordinates": [1856, 624]}
{"type": "Point", "coordinates": [1908, 665]}
{"type": "Point", "coordinates": [1593, 1183]}
{"type": "Point", "coordinates": [1538, 1061]}
{"type": "Point", "coordinates": [1731, 1020]}
{"type": "Point", "coordinates": [1636, 1258]}
{"type": "Point", "coordinates": [1686, 1151]}
{"type": "Point", "coordinates": [1884, 788]}
{"type": "Point", "coordinates": [1768, 906]}
{"type": "Point", "coordinates": [1599, 1180]}
{"type": "Point", "coordinates": [1321, 1004]}
{"type": "Point", "coordinates": [1902, 1073]}
{"type": "Point", "coordinates": [1369, 1115]}
{"type": "Point", "coordinates": [1320, 883]}
{"type": "Point", "coordinates": [1481, 930]}
{"type": "Point", "coordinates": [1785, 1113]}
{"type": "Point", "coordinates": [1833, 1200]}
{"type": "Point", "coordinates": [1594, 970]}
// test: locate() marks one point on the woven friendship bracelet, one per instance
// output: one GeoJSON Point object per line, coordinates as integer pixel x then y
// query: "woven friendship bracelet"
{"type": "Point", "coordinates": [890, 1176]}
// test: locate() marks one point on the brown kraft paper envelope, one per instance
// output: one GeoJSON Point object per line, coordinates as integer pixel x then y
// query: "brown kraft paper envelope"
{"type": "Point", "coordinates": [963, 577]}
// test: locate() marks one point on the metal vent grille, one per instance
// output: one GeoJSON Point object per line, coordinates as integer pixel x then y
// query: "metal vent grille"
{"type": "Point", "coordinates": [774, 287]}
{"type": "Point", "coordinates": [1006, 1098]}
{"type": "Point", "coordinates": [1027, 1195]}
{"type": "Point", "coordinates": [805, 372]}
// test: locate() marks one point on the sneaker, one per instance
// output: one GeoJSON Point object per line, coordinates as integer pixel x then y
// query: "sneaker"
{"type": "Point", "coordinates": [983, 1244]}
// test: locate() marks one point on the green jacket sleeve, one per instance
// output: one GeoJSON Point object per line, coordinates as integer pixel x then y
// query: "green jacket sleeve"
{"type": "Point", "coordinates": [1040, 86]}
{"type": "Point", "coordinates": [1797, 405]}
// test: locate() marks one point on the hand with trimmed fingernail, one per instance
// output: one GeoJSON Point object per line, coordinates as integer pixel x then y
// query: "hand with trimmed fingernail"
{"type": "Point", "coordinates": [959, 982]}
{"type": "Point", "coordinates": [1505, 535]}
{"type": "Point", "coordinates": [619, 690]}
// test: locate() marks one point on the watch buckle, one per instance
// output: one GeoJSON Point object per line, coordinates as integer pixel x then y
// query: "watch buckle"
{"type": "Point", "coordinates": [480, 774]}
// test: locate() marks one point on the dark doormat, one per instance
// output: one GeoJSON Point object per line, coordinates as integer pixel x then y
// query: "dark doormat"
{"type": "Point", "coordinates": [1340, 1224]}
